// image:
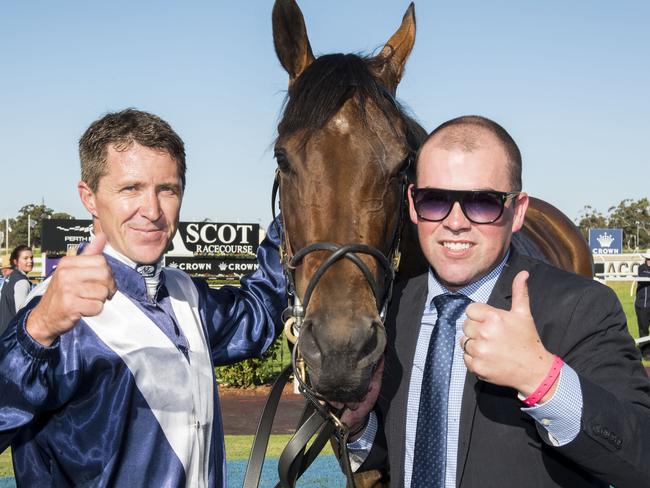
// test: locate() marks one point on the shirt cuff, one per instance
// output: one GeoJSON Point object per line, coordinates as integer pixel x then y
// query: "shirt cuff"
{"type": "Point", "coordinates": [561, 415]}
{"type": "Point", "coordinates": [359, 449]}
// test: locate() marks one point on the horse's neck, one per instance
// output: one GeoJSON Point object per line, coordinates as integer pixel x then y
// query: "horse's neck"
{"type": "Point", "coordinates": [525, 245]}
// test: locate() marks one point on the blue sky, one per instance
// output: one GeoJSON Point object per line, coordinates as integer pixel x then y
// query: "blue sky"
{"type": "Point", "coordinates": [569, 81]}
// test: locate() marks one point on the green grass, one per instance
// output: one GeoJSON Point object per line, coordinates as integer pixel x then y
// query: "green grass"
{"type": "Point", "coordinates": [6, 469]}
{"type": "Point", "coordinates": [622, 289]}
{"type": "Point", "coordinates": [238, 446]}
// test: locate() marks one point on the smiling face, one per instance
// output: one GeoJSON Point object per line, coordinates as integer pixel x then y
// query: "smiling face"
{"type": "Point", "coordinates": [25, 261]}
{"type": "Point", "coordinates": [137, 201]}
{"type": "Point", "coordinates": [460, 251]}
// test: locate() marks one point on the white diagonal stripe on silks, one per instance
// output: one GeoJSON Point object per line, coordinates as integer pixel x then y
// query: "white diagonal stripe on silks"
{"type": "Point", "coordinates": [185, 302]}
{"type": "Point", "coordinates": [177, 391]}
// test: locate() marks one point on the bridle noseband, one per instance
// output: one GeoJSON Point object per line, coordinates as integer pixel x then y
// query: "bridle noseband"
{"type": "Point", "coordinates": [348, 251]}
{"type": "Point", "coordinates": [319, 418]}
{"type": "Point", "coordinates": [295, 313]}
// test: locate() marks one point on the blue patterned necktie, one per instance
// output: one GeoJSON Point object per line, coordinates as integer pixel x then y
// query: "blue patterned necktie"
{"type": "Point", "coordinates": [430, 454]}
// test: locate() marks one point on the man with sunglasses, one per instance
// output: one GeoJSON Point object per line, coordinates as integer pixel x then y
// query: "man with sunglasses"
{"type": "Point", "coordinates": [500, 370]}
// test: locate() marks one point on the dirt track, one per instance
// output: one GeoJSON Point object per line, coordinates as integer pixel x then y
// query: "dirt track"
{"type": "Point", "coordinates": [241, 410]}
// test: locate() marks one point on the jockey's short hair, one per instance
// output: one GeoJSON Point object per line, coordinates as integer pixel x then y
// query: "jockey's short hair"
{"type": "Point", "coordinates": [122, 129]}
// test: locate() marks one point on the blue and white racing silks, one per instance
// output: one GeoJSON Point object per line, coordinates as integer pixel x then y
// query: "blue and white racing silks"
{"type": "Point", "coordinates": [129, 398]}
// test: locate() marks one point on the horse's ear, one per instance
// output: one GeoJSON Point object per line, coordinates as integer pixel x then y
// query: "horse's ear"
{"type": "Point", "coordinates": [389, 63]}
{"type": "Point", "coordinates": [290, 38]}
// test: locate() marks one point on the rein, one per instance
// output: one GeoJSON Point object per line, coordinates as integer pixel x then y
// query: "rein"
{"type": "Point", "coordinates": [318, 417]}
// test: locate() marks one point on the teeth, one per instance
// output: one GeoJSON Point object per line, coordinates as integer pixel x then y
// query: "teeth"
{"type": "Point", "coordinates": [456, 246]}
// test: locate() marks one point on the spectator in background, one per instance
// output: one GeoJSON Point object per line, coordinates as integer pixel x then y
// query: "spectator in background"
{"type": "Point", "coordinates": [5, 269]}
{"type": "Point", "coordinates": [642, 302]}
{"type": "Point", "coordinates": [16, 286]}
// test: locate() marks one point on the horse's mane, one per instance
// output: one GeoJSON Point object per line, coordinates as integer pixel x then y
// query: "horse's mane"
{"type": "Point", "coordinates": [328, 82]}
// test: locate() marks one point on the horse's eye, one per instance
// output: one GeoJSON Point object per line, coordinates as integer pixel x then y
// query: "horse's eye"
{"type": "Point", "coordinates": [407, 166]}
{"type": "Point", "coordinates": [408, 163]}
{"type": "Point", "coordinates": [282, 160]}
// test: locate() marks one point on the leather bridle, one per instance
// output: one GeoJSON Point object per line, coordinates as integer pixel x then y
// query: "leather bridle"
{"type": "Point", "coordinates": [319, 417]}
{"type": "Point", "coordinates": [291, 261]}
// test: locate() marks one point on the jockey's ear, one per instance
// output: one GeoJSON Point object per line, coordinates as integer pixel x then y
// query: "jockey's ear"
{"type": "Point", "coordinates": [290, 38]}
{"type": "Point", "coordinates": [389, 63]}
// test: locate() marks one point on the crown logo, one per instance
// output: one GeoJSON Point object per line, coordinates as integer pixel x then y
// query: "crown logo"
{"type": "Point", "coordinates": [173, 265]}
{"type": "Point", "coordinates": [222, 266]}
{"type": "Point", "coordinates": [605, 239]}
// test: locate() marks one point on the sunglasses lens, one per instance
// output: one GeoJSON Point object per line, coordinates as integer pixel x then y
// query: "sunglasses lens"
{"type": "Point", "coordinates": [482, 207]}
{"type": "Point", "coordinates": [432, 205]}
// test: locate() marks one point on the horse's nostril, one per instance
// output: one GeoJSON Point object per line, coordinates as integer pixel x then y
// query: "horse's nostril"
{"type": "Point", "coordinates": [378, 325]}
{"type": "Point", "coordinates": [374, 345]}
{"type": "Point", "coordinates": [308, 345]}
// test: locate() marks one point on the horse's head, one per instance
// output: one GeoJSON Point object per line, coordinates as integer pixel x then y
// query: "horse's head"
{"type": "Point", "coordinates": [342, 150]}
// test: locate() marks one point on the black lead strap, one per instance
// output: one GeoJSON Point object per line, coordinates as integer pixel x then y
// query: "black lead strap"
{"type": "Point", "coordinates": [318, 418]}
{"type": "Point", "coordinates": [263, 433]}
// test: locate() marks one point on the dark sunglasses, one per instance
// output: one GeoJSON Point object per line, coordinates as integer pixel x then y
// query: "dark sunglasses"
{"type": "Point", "coordinates": [479, 206]}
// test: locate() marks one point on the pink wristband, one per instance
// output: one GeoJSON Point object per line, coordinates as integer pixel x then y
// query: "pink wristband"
{"type": "Point", "coordinates": [546, 384]}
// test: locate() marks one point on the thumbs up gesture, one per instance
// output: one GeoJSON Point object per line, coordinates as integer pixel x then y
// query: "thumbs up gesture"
{"type": "Point", "coordinates": [503, 347]}
{"type": "Point", "coordinates": [79, 287]}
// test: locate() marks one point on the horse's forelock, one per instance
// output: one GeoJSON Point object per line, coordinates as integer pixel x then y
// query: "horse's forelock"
{"type": "Point", "coordinates": [327, 84]}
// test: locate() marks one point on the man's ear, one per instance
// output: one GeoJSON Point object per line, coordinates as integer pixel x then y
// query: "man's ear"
{"type": "Point", "coordinates": [412, 213]}
{"type": "Point", "coordinates": [87, 197]}
{"type": "Point", "coordinates": [521, 205]}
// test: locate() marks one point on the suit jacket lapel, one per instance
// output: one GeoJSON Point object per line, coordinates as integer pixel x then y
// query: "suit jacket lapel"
{"type": "Point", "coordinates": [500, 297]}
{"type": "Point", "coordinates": [408, 320]}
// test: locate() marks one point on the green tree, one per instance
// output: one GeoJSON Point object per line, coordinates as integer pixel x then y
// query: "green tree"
{"type": "Point", "coordinates": [630, 215]}
{"type": "Point", "coordinates": [34, 213]}
{"type": "Point", "coordinates": [591, 218]}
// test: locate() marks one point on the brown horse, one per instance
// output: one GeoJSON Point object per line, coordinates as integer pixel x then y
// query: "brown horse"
{"type": "Point", "coordinates": [344, 146]}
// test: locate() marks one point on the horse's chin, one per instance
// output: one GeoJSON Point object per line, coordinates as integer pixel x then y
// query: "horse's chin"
{"type": "Point", "coordinates": [343, 390]}
{"type": "Point", "coordinates": [345, 396]}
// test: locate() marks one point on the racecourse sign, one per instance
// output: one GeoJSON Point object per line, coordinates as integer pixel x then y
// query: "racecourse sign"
{"type": "Point", "coordinates": [606, 241]}
{"type": "Point", "coordinates": [58, 236]}
{"type": "Point", "coordinates": [213, 239]}
{"type": "Point", "coordinates": [617, 266]}
{"type": "Point", "coordinates": [191, 238]}
{"type": "Point", "coordinates": [207, 266]}
{"type": "Point", "coordinates": [200, 248]}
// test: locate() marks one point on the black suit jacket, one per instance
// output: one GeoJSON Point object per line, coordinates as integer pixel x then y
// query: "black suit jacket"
{"type": "Point", "coordinates": [499, 445]}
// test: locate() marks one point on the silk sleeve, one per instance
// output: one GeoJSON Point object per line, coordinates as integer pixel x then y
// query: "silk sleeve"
{"type": "Point", "coordinates": [33, 378]}
{"type": "Point", "coordinates": [243, 322]}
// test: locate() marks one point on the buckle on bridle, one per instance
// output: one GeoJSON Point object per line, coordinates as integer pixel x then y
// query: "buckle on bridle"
{"type": "Point", "coordinates": [293, 316]}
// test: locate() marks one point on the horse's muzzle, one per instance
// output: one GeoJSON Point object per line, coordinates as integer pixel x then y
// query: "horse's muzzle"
{"type": "Point", "coordinates": [341, 358]}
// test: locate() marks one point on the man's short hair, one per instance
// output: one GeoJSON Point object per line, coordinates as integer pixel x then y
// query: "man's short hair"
{"type": "Point", "coordinates": [465, 133]}
{"type": "Point", "coordinates": [122, 129]}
